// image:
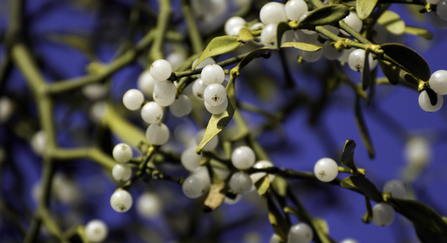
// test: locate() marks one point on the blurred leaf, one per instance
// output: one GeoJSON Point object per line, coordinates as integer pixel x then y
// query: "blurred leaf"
{"type": "Point", "coordinates": [217, 46]}
{"type": "Point", "coordinates": [245, 35]}
{"type": "Point", "coordinates": [367, 218]}
{"type": "Point", "coordinates": [215, 198]}
{"type": "Point", "coordinates": [279, 224]}
{"type": "Point", "coordinates": [411, 60]}
{"type": "Point", "coordinates": [281, 28]}
{"type": "Point", "coordinates": [392, 22]}
{"type": "Point", "coordinates": [75, 41]}
{"type": "Point", "coordinates": [252, 55]}
{"type": "Point", "coordinates": [366, 72]}
{"type": "Point", "coordinates": [347, 157]}
{"type": "Point", "coordinates": [429, 225]}
{"type": "Point", "coordinates": [411, 79]}
{"type": "Point", "coordinates": [364, 185]}
{"type": "Point", "coordinates": [325, 15]}
{"type": "Point", "coordinates": [124, 130]}
{"type": "Point", "coordinates": [217, 122]}
{"type": "Point", "coordinates": [321, 225]}
{"type": "Point", "coordinates": [363, 129]}
{"type": "Point", "coordinates": [445, 219]}
{"type": "Point", "coordinates": [365, 8]}
{"type": "Point", "coordinates": [262, 185]}
{"type": "Point", "coordinates": [391, 72]}
{"type": "Point", "coordinates": [433, 96]}
{"type": "Point", "coordinates": [421, 32]}
{"type": "Point", "coordinates": [301, 46]}
{"type": "Point", "coordinates": [280, 186]}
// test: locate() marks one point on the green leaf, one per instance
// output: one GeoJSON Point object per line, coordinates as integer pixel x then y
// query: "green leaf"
{"type": "Point", "coordinates": [252, 55]}
{"type": "Point", "coordinates": [217, 46]}
{"type": "Point", "coordinates": [367, 218]}
{"type": "Point", "coordinates": [301, 46]}
{"type": "Point", "coordinates": [281, 28]}
{"type": "Point", "coordinates": [391, 72]}
{"type": "Point", "coordinates": [280, 186]}
{"type": "Point", "coordinates": [75, 41]}
{"type": "Point", "coordinates": [325, 15]}
{"type": "Point", "coordinates": [366, 72]}
{"type": "Point", "coordinates": [279, 224]}
{"type": "Point", "coordinates": [421, 32]}
{"type": "Point", "coordinates": [392, 22]}
{"type": "Point", "coordinates": [262, 185]}
{"type": "Point", "coordinates": [124, 130]}
{"type": "Point", "coordinates": [433, 96]}
{"type": "Point", "coordinates": [347, 157]}
{"type": "Point", "coordinates": [364, 185]}
{"type": "Point", "coordinates": [363, 129]}
{"type": "Point", "coordinates": [365, 8]}
{"type": "Point", "coordinates": [409, 59]}
{"type": "Point", "coordinates": [429, 225]}
{"type": "Point", "coordinates": [245, 35]}
{"type": "Point", "coordinates": [217, 122]}
{"type": "Point", "coordinates": [215, 198]}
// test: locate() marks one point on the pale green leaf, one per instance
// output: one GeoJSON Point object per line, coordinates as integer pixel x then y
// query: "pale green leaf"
{"type": "Point", "coordinates": [217, 122]}
{"type": "Point", "coordinates": [392, 22]}
{"type": "Point", "coordinates": [262, 185]}
{"type": "Point", "coordinates": [365, 8]}
{"type": "Point", "coordinates": [301, 46]}
{"type": "Point", "coordinates": [217, 46]}
{"type": "Point", "coordinates": [421, 32]}
{"type": "Point", "coordinates": [245, 35]}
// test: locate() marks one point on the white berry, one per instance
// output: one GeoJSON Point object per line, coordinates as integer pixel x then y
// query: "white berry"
{"type": "Point", "coordinates": [193, 187]}
{"type": "Point", "coordinates": [438, 82]}
{"type": "Point", "coordinates": [437, 22]}
{"type": "Point", "coordinates": [258, 175]}
{"type": "Point", "coordinates": [424, 102]}
{"type": "Point", "coordinates": [176, 59]}
{"type": "Point", "coordinates": [198, 88]}
{"type": "Point", "coordinates": [349, 241]}
{"type": "Point", "coordinates": [356, 60]}
{"type": "Point", "coordinates": [181, 106]}
{"type": "Point", "coordinates": [204, 63]}
{"type": "Point", "coordinates": [295, 8]}
{"type": "Point", "coordinates": [160, 70]}
{"type": "Point", "coordinates": [163, 102]}
{"type": "Point", "coordinates": [346, 54]}
{"type": "Point", "coordinates": [300, 233]}
{"type": "Point", "coordinates": [354, 22]}
{"type": "Point", "coordinates": [6, 109]}
{"type": "Point", "coordinates": [274, 239]}
{"type": "Point", "coordinates": [157, 134]}
{"type": "Point", "coordinates": [121, 201]}
{"type": "Point", "coordinates": [311, 38]}
{"type": "Point", "coordinates": [397, 189]}
{"type": "Point", "coordinates": [268, 36]}
{"type": "Point", "coordinates": [149, 205]}
{"type": "Point", "coordinates": [133, 99]}
{"type": "Point", "coordinates": [272, 13]}
{"type": "Point", "coordinates": [326, 169]}
{"type": "Point", "coordinates": [122, 153]}
{"type": "Point", "coordinates": [152, 112]}
{"type": "Point", "coordinates": [212, 144]}
{"type": "Point", "coordinates": [190, 159]}
{"type": "Point", "coordinates": [164, 89]}
{"type": "Point", "coordinates": [232, 23]}
{"type": "Point", "coordinates": [94, 91]}
{"type": "Point", "coordinates": [331, 52]}
{"type": "Point", "coordinates": [212, 74]}
{"type": "Point", "coordinates": [146, 83]}
{"type": "Point", "coordinates": [121, 172]}
{"type": "Point", "coordinates": [383, 214]}
{"type": "Point", "coordinates": [38, 142]}
{"type": "Point", "coordinates": [96, 231]}
{"type": "Point", "coordinates": [215, 94]}
{"type": "Point", "coordinates": [217, 109]}
{"type": "Point", "coordinates": [243, 157]}
{"type": "Point", "coordinates": [441, 9]}
{"type": "Point", "coordinates": [240, 183]}
{"type": "Point", "coordinates": [418, 151]}
{"type": "Point", "coordinates": [311, 56]}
